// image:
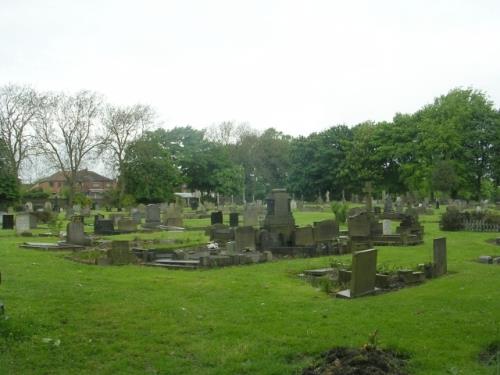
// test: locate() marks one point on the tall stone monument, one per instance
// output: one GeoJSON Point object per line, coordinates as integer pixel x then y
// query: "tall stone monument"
{"type": "Point", "coordinates": [279, 221]}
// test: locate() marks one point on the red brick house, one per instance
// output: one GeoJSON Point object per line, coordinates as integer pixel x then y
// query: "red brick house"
{"type": "Point", "coordinates": [90, 183]}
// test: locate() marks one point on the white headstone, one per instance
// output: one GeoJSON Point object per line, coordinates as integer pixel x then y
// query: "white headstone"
{"type": "Point", "coordinates": [386, 227]}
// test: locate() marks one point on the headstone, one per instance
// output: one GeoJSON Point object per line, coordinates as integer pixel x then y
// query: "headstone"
{"type": "Point", "coordinates": [327, 195]}
{"type": "Point", "coordinates": [153, 215]}
{"type": "Point", "coordinates": [23, 222]}
{"type": "Point", "coordinates": [47, 206]}
{"type": "Point", "coordinates": [388, 204]}
{"type": "Point", "coordinates": [244, 238]}
{"type": "Point", "coordinates": [8, 222]}
{"type": "Point", "coordinates": [104, 227]}
{"type": "Point", "coordinates": [120, 253]}
{"type": "Point", "coordinates": [85, 211]}
{"type": "Point", "coordinates": [74, 231]}
{"type": "Point", "coordinates": [359, 225]}
{"type": "Point", "coordinates": [233, 219]}
{"type": "Point", "coordinates": [279, 220]}
{"type": "Point", "coordinates": [250, 216]}
{"type": "Point", "coordinates": [364, 270]}
{"type": "Point", "coordinates": [77, 209]}
{"type": "Point", "coordinates": [386, 227]}
{"type": "Point", "coordinates": [440, 258]}
{"type": "Point", "coordinates": [136, 215]}
{"type": "Point", "coordinates": [28, 207]}
{"type": "Point", "coordinates": [304, 236]}
{"type": "Point", "coordinates": [368, 197]}
{"type": "Point", "coordinates": [325, 230]}
{"type": "Point", "coordinates": [437, 204]}
{"type": "Point", "coordinates": [173, 215]}
{"type": "Point", "coordinates": [127, 225]}
{"type": "Point", "coordinates": [1, 217]}
{"type": "Point", "coordinates": [216, 217]}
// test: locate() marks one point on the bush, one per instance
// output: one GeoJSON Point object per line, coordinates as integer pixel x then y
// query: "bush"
{"type": "Point", "coordinates": [452, 219]}
{"type": "Point", "coordinates": [43, 216]}
{"type": "Point", "coordinates": [340, 211]}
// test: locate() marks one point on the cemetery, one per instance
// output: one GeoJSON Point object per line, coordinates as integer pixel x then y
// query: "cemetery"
{"type": "Point", "coordinates": [263, 188]}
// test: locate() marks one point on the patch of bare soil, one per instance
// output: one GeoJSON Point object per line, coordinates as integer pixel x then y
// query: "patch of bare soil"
{"type": "Point", "coordinates": [368, 360]}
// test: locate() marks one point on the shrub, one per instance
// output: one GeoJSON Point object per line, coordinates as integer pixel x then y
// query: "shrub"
{"type": "Point", "coordinates": [340, 211]}
{"type": "Point", "coordinates": [452, 219]}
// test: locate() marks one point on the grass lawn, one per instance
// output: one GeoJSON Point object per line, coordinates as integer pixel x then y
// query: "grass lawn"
{"type": "Point", "coordinates": [70, 318]}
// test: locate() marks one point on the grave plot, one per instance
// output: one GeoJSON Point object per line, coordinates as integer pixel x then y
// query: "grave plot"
{"type": "Point", "coordinates": [366, 229]}
{"type": "Point", "coordinates": [363, 278]}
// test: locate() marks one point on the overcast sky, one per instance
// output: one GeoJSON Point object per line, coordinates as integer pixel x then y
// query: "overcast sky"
{"type": "Point", "coordinates": [299, 66]}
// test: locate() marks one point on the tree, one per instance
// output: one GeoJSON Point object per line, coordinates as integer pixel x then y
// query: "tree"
{"type": "Point", "coordinates": [148, 171]}
{"type": "Point", "coordinates": [18, 107]}
{"type": "Point", "coordinates": [123, 125]}
{"type": "Point", "coordinates": [9, 185]}
{"type": "Point", "coordinates": [68, 133]}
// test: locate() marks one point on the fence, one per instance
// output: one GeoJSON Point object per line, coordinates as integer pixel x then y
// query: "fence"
{"type": "Point", "coordinates": [480, 226]}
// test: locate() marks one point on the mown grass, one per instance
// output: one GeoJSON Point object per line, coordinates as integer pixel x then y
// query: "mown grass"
{"type": "Point", "coordinates": [259, 319]}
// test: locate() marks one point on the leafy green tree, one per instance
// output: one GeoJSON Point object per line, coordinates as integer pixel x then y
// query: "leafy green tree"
{"type": "Point", "coordinates": [149, 172]}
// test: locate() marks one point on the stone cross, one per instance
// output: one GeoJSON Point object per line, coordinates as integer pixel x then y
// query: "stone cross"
{"type": "Point", "coordinates": [368, 190]}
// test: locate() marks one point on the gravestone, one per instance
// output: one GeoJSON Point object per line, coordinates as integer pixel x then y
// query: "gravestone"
{"type": "Point", "coordinates": [388, 204]}
{"type": "Point", "coordinates": [77, 209]}
{"type": "Point", "coordinates": [386, 227]}
{"type": "Point", "coordinates": [251, 216]}
{"type": "Point", "coordinates": [440, 262]}
{"type": "Point", "coordinates": [368, 197]}
{"type": "Point", "coordinates": [233, 219]}
{"type": "Point", "coordinates": [216, 218]}
{"type": "Point", "coordinates": [47, 206]}
{"type": "Point", "coordinates": [359, 225]}
{"type": "Point", "coordinates": [23, 222]}
{"type": "Point", "coordinates": [364, 270]}
{"type": "Point", "coordinates": [173, 215]}
{"type": "Point", "coordinates": [244, 238]}
{"type": "Point", "coordinates": [104, 227]}
{"type": "Point", "coordinates": [28, 207]}
{"type": "Point", "coordinates": [1, 217]}
{"type": "Point", "coordinates": [85, 211]}
{"type": "Point", "coordinates": [136, 215]}
{"type": "Point", "coordinates": [74, 231]}
{"type": "Point", "coordinates": [120, 253]}
{"type": "Point", "coordinates": [8, 222]}
{"type": "Point", "coordinates": [303, 236]}
{"type": "Point", "coordinates": [325, 230]}
{"type": "Point", "coordinates": [127, 225]}
{"type": "Point", "coordinates": [279, 220]}
{"type": "Point", "coordinates": [293, 205]}
{"type": "Point", "coordinates": [153, 215]}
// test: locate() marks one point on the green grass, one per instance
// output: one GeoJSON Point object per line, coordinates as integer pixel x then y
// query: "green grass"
{"type": "Point", "coordinates": [259, 319]}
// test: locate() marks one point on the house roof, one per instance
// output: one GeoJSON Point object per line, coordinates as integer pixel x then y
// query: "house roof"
{"type": "Point", "coordinates": [82, 176]}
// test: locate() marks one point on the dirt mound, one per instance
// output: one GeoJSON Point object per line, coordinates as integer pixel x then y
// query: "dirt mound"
{"type": "Point", "coordinates": [364, 361]}
{"type": "Point", "coordinates": [491, 355]}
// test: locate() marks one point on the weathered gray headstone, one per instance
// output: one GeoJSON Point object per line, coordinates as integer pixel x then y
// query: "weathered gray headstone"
{"type": "Point", "coordinates": [251, 216]}
{"type": "Point", "coordinates": [440, 258]}
{"type": "Point", "coordinates": [28, 207]}
{"type": "Point", "coordinates": [325, 230]}
{"type": "Point", "coordinates": [74, 232]}
{"type": "Point", "coordinates": [364, 270]}
{"type": "Point", "coordinates": [304, 236]}
{"type": "Point", "coordinates": [386, 227]}
{"type": "Point", "coordinates": [23, 222]}
{"type": "Point", "coordinates": [244, 238]}
{"type": "Point", "coordinates": [120, 253]}
{"type": "Point", "coordinates": [153, 215]}
{"type": "Point", "coordinates": [47, 206]}
{"type": "Point", "coordinates": [127, 225]}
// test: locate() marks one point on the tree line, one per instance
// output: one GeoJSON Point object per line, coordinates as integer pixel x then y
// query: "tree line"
{"type": "Point", "coordinates": [450, 147]}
